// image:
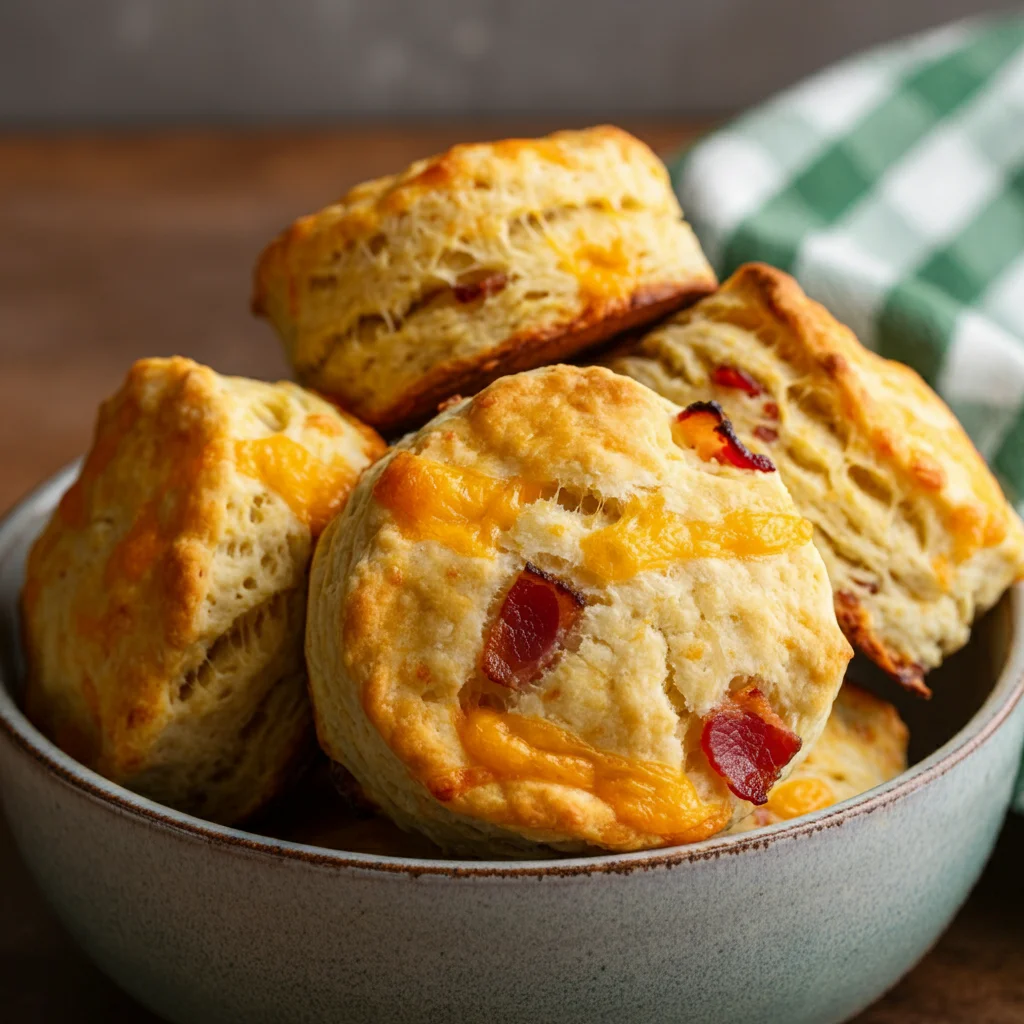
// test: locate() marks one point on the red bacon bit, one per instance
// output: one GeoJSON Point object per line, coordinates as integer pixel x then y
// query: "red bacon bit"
{"type": "Point", "coordinates": [733, 377]}
{"type": "Point", "coordinates": [766, 434]}
{"type": "Point", "coordinates": [536, 615]}
{"type": "Point", "coordinates": [482, 289]}
{"type": "Point", "coordinates": [748, 744]}
{"type": "Point", "coordinates": [706, 430]}
{"type": "Point", "coordinates": [771, 410]}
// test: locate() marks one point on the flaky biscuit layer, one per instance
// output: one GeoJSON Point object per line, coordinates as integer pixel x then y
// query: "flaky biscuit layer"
{"type": "Point", "coordinates": [916, 534]}
{"type": "Point", "coordinates": [164, 603]}
{"type": "Point", "coordinates": [487, 259]}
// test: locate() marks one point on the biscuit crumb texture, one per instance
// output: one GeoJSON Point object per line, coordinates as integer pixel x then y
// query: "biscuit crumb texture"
{"type": "Point", "coordinates": [914, 529]}
{"type": "Point", "coordinates": [164, 603]}
{"type": "Point", "coordinates": [688, 580]}
{"type": "Point", "coordinates": [487, 259]}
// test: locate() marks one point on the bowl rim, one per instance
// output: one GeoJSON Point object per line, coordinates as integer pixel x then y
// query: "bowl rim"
{"type": "Point", "coordinates": [17, 531]}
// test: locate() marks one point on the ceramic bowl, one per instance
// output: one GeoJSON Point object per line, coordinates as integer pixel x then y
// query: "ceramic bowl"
{"type": "Point", "coordinates": [808, 921]}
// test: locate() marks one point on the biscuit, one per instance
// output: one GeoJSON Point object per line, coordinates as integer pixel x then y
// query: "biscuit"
{"type": "Point", "coordinates": [916, 534]}
{"type": "Point", "coordinates": [487, 259]}
{"type": "Point", "coordinates": [538, 617]}
{"type": "Point", "coordinates": [863, 745]}
{"type": "Point", "coordinates": [164, 603]}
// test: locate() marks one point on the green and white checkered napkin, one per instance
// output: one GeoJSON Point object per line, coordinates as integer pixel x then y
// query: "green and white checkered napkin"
{"type": "Point", "coordinates": [892, 186]}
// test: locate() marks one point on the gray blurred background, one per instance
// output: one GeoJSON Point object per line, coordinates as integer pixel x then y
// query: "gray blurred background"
{"type": "Point", "coordinates": [89, 62]}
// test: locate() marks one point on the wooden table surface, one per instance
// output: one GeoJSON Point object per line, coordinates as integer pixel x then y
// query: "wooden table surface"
{"type": "Point", "coordinates": [113, 248]}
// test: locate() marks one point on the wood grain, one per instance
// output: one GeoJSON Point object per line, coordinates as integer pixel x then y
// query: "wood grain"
{"type": "Point", "coordinates": [117, 247]}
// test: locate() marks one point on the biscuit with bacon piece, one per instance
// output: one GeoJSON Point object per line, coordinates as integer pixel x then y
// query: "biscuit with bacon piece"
{"type": "Point", "coordinates": [529, 611]}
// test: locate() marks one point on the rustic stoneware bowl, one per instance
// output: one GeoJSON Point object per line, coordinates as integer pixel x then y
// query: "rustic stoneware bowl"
{"type": "Point", "coordinates": [807, 921]}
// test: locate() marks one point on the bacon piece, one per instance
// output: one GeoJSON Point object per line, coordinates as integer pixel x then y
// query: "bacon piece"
{"type": "Point", "coordinates": [704, 428]}
{"type": "Point", "coordinates": [771, 410]}
{"type": "Point", "coordinates": [482, 289]}
{"type": "Point", "coordinates": [748, 744]}
{"type": "Point", "coordinates": [766, 434]}
{"type": "Point", "coordinates": [536, 615]}
{"type": "Point", "coordinates": [733, 377]}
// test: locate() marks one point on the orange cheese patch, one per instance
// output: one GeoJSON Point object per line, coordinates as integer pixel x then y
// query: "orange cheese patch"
{"type": "Point", "coordinates": [602, 271]}
{"type": "Point", "coordinates": [466, 511]}
{"type": "Point", "coordinates": [650, 798]}
{"type": "Point", "coordinates": [543, 149]}
{"type": "Point", "coordinates": [943, 573]}
{"type": "Point", "coordinates": [314, 490]}
{"type": "Point", "coordinates": [324, 423]}
{"type": "Point", "coordinates": [795, 797]}
{"type": "Point", "coordinates": [975, 527]}
{"type": "Point", "coordinates": [458, 507]}
{"type": "Point", "coordinates": [650, 537]}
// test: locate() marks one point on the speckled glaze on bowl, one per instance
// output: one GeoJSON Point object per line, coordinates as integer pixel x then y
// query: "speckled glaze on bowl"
{"type": "Point", "coordinates": [802, 922]}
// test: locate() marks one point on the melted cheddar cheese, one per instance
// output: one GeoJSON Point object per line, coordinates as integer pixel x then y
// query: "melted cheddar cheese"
{"type": "Point", "coordinates": [795, 797]}
{"type": "Point", "coordinates": [314, 490]}
{"type": "Point", "coordinates": [466, 510]}
{"type": "Point", "coordinates": [544, 149]}
{"type": "Point", "coordinates": [650, 537]}
{"type": "Point", "coordinates": [458, 507]}
{"type": "Point", "coordinates": [325, 424]}
{"type": "Point", "coordinates": [602, 271]}
{"type": "Point", "coordinates": [974, 527]}
{"type": "Point", "coordinates": [650, 798]}
{"type": "Point", "coordinates": [943, 573]}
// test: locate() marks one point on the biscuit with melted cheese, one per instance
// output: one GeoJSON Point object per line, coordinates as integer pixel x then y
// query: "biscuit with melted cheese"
{"type": "Point", "coordinates": [916, 534]}
{"type": "Point", "coordinates": [164, 603]}
{"type": "Point", "coordinates": [670, 583]}
{"type": "Point", "coordinates": [863, 745]}
{"type": "Point", "coordinates": [484, 260]}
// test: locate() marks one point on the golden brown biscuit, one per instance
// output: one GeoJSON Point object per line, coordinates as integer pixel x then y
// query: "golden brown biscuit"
{"type": "Point", "coordinates": [539, 617]}
{"type": "Point", "coordinates": [916, 534]}
{"type": "Point", "coordinates": [864, 744]}
{"type": "Point", "coordinates": [164, 604]}
{"type": "Point", "coordinates": [487, 259]}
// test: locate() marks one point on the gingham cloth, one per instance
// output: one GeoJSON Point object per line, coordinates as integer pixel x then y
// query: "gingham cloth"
{"type": "Point", "coordinates": [892, 187]}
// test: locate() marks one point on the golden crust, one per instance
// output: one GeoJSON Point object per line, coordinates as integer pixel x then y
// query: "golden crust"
{"type": "Point", "coordinates": [913, 527]}
{"type": "Point", "coordinates": [571, 470]}
{"type": "Point", "coordinates": [486, 259]}
{"type": "Point", "coordinates": [164, 602]}
{"type": "Point", "coordinates": [863, 745]}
